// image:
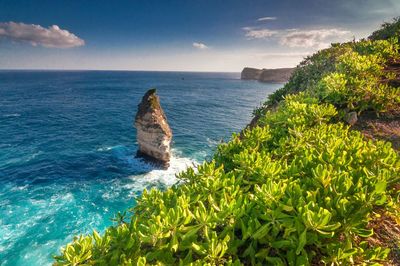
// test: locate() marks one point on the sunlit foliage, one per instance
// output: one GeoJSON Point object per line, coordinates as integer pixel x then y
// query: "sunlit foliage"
{"type": "Point", "coordinates": [299, 188]}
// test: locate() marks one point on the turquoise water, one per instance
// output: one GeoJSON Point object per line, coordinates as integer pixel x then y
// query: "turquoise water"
{"type": "Point", "coordinates": [67, 147]}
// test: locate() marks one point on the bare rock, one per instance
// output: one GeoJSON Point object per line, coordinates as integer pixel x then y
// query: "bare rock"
{"type": "Point", "coordinates": [351, 118]}
{"type": "Point", "coordinates": [153, 132]}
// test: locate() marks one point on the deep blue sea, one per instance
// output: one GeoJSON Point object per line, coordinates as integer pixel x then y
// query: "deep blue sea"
{"type": "Point", "coordinates": [67, 147]}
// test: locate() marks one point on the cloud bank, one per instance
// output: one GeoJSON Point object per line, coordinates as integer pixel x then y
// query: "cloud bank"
{"type": "Point", "coordinates": [199, 45]}
{"type": "Point", "coordinates": [252, 33]}
{"type": "Point", "coordinates": [311, 38]}
{"type": "Point", "coordinates": [36, 35]}
{"type": "Point", "coordinates": [319, 38]}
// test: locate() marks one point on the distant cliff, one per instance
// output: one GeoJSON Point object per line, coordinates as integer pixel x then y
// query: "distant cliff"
{"type": "Point", "coordinates": [267, 75]}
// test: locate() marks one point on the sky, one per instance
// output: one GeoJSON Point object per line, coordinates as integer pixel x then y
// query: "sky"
{"type": "Point", "coordinates": [172, 35]}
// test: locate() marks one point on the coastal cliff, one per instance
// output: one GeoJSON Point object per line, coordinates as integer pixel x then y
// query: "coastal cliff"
{"type": "Point", "coordinates": [267, 75]}
{"type": "Point", "coordinates": [299, 187]}
{"type": "Point", "coordinates": [153, 132]}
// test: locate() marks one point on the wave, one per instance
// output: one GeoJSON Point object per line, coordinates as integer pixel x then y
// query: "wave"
{"type": "Point", "coordinates": [12, 115]}
{"type": "Point", "coordinates": [35, 212]}
{"type": "Point", "coordinates": [33, 156]}
{"type": "Point", "coordinates": [22, 159]}
{"type": "Point", "coordinates": [212, 142]}
{"type": "Point", "coordinates": [107, 148]}
{"type": "Point", "coordinates": [160, 177]}
{"type": "Point", "coordinates": [147, 175]}
{"type": "Point", "coordinates": [20, 188]}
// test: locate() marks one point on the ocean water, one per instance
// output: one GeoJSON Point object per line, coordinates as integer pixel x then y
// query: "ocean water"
{"type": "Point", "coordinates": [67, 147]}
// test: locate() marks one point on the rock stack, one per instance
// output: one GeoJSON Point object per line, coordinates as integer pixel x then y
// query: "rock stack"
{"type": "Point", "coordinates": [153, 132]}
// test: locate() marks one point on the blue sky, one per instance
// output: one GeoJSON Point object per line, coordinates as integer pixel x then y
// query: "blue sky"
{"type": "Point", "coordinates": [179, 35]}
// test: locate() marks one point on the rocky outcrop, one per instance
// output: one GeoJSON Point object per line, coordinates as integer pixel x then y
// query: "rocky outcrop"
{"type": "Point", "coordinates": [250, 73]}
{"type": "Point", "coordinates": [153, 132]}
{"type": "Point", "coordinates": [351, 118]}
{"type": "Point", "coordinates": [267, 75]}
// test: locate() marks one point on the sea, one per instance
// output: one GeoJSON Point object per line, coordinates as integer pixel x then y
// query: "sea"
{"type": "Point", "coordinates": [68, 146]}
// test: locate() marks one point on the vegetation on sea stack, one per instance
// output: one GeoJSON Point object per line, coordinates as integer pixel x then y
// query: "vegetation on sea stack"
{"type": "Point", "coordinates": [298, 188]}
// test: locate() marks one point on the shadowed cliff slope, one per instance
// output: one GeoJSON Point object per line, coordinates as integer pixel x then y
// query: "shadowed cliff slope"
{"type": "Point", "coordinates": [267, 75]}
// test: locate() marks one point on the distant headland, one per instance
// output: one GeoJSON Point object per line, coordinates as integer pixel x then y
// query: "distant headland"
{"type": "Point", "coordinates": [267, 75]}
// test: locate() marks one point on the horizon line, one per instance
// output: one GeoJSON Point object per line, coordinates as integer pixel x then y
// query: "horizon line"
{"type": "Point", "coordinates": [115, 70]}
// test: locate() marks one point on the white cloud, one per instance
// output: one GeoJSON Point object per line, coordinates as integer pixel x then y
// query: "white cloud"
{"type": "Point", "coordinates": [199, 45]}
{"type": "Point", "coordinates": [312, 38]}
{"type": "Point", "coordinates": [52, 37]}
{"type": "Point", "coordinates": [252, 33]}
{"type": "Point", "coordinates": [266, 18]}
{"type": "Point", "coordinates": [318, 38]}
{"type": "Point", "coordinates": [282, 54]}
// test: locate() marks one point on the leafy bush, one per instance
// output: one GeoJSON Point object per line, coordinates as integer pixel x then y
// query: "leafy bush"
{"type": "Point", "coordinates": [270, 196]}
{"type": "Point", "coordinates": [387, 30]}
{"type": "Point", "coordinates": [351, 75]}
{"type": "Point", "coordinates": [299, 188]}
{"type": "Point", "coordinates": [307, 73]}
{"type": "Point", "coordinates": [356, 82]}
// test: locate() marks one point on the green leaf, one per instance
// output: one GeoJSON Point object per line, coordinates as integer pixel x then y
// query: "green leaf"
{"type": "Point", "coordinates": [302, 242]}
{"type": "Point", "coordinates": [364, 232]}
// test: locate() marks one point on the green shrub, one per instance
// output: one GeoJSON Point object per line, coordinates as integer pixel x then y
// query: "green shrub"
{"type": "Point", "coordinates": [299, 188]}
{"type": "Point", "coordinates": [351, 75]}
{"type": "Point", "coordinates": [387, 30]}
{"type": "Point", "coordinates": [356, 84]}
{"type": "Point", "coordinates": [269, 197]}
{"type": "Point", "coordinates": [307, 73]}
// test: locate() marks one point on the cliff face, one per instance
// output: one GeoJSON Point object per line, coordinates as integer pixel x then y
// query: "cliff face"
{"type": "Point", "coordinates": [250, 73]}
{"type": "Point", "coordinates": [153, 132]}
{"type": "Point", "coordinates": [267, 75]}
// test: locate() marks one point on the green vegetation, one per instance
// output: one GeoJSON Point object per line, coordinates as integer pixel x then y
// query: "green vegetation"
{"type": "Point", "coordinates": [350, 75]}
{"type": "Point", "coordinates": [154, 103]}
{"type": "Point", "coordinates": [300, 188]}
{"type": "Point", "coordinates": [387, 31]}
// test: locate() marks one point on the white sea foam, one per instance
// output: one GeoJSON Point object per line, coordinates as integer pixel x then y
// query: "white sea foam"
{"type": "Point", "coordinates": [212, 142]}
{"type": "Point", "coordinates": [13, 232]}
{"type": "Point", "coordinates": [23, 159]}
{"type": "Point", "coordinates": [12, 115]}
{"type": "Point", "coordinates": [161, 177]}
{"type": "Point", "coordinates": [37, 253]}
{"type": "Point", "coordinates": [61, 198]}
{"type": "Point", "coordinates": [107, 148]}
{"type": "Point", "coordinates": [19, 188]}
{"type": "Point", "coordinates": [33, 156]}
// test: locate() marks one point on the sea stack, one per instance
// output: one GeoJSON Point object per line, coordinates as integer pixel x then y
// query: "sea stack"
{"type": "Point", "coordinates": [153, 132]}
